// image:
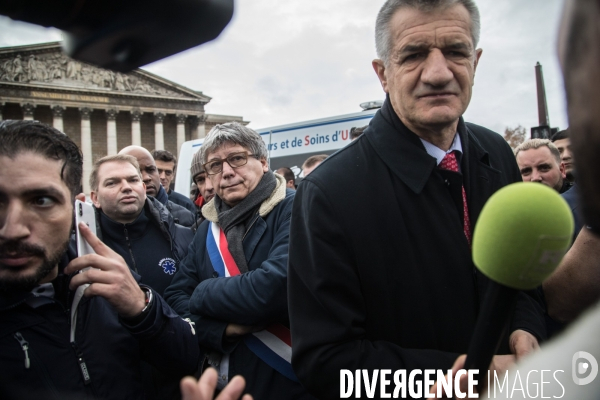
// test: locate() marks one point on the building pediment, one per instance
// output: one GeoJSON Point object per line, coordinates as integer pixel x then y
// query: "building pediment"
{"type": "Point", "coordinates": [45, 67]}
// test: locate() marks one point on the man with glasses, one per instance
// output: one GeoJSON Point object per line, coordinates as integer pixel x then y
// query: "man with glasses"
{"type": "Point", "coordinates": [206, 191]}
{"type": "Point", "coordinates": [233, 283]}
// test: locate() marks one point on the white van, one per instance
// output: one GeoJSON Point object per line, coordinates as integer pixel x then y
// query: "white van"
{"type": "Point", "coordinates": [289, 145]}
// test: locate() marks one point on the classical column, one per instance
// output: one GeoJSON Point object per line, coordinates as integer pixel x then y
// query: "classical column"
{"type": "Point", "coordinates": [159, 132]}
{"type": "Point", "coordinates": [193, 125]}
{"type": "Point", "coordinates": [180, 131]}
{"type": "Point", "coordinates": [57, 121]}
{"type": "Point", "coordinates": [27, 111]}
{"type": "Point", "coordinates": [86, 147]}
{"type": "Point", "coordinates": [111, 132]}
{"type": "Point", "coordinates": [200, 130]}
{"type": "Point", "coordinates": [136, 130]}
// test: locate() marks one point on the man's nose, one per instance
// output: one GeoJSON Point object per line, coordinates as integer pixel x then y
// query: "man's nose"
{"type": "Point", "coordinates": [435, 69]}
{"type": "Point", "coordinates": [13, 223]}
{"type": "Point", "coordinates": [227, 170]}
{"type": "Point", "coordinates": [125, 186]}
{"type": "Point", "coordinates": [208, 186]}
{"type": "Point", "coordinates": [536, 176]}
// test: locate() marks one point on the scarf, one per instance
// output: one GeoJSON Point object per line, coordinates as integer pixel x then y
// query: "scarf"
{"type": "Point", "coordinates": [234, 220]}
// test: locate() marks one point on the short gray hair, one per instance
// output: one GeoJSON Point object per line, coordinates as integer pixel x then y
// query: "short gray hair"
{"type": "Point", "coordinates": [236, 133]}
{"type": "Point", "coordinates": [383, 37]}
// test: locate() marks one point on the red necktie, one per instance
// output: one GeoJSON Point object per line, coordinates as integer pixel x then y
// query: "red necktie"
{"type": "Point", "coordinates": [449, 163]}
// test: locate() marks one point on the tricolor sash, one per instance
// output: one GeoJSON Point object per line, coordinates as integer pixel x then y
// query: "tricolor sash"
{"type": "Point", "coordinates": [273, 345]}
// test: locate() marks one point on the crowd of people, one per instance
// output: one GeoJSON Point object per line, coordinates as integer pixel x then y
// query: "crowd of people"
{"type": "Point", "coordinates": [365, 265]}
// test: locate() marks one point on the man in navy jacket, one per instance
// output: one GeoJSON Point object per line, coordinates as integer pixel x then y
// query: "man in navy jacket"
{"type": "Point", "coordinates": [69, 332]}
{"type": "Point", "coordinates": [138, 227]}
{"type": "Point", "coordinates": [232, 283]}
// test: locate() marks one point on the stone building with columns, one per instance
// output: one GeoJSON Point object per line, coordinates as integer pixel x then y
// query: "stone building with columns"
{"type": "Point", "coordinates": [101, 110]}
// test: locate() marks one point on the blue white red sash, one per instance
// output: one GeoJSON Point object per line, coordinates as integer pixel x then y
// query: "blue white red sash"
{"type": "Point", "coordinates": [273, 345]}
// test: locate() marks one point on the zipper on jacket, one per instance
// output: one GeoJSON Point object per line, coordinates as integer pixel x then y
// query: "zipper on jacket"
{"type": "Point", "coordinates": [250, 227]}
{"type": "Point", "coordinates": [25, 346]}
{"type": "Point", "coordinates": [130, 249]}
{"type": "Point", "coordinates": [51, 392]}
{"type": "Point", "coordinates": [164, 228]}
{"type": "Point", "coordinates": [14, 305]}
{"type": "Point", "coordinates": [170, 208]}
{"type": "Point", "coordinates": [82, 366]}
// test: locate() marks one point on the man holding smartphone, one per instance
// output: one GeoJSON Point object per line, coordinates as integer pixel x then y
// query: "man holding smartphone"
{"type": "Point", "coordinates": [136, 226]}
{"type": "Point", "coordinates": [43, 352]}
{"type": "Point", "coordinates": [142, 231]}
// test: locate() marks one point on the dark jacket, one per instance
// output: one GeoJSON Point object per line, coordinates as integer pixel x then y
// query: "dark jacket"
{"type": "Point", "coordinates": [182, 215]}
{"type": "Point", "coordinates": [182, 200]}
{"type": "Point", "coordinates": [153, 245]}
{"type": "Point", "coordinates": [111, 349]}
{"type": "Point", "coordinates": [380, 272]}
{"type": "Point", "coordinates": [257, 297]}
{"type": "Point", "coordinates": [571, 196]}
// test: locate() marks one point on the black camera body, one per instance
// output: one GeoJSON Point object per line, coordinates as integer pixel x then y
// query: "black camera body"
{"type": "Point", "coordinates": [124, 35]}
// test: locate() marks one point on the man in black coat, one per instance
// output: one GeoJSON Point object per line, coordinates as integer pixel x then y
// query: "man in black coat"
{"type": "Point", "coordinates": [380, 269]}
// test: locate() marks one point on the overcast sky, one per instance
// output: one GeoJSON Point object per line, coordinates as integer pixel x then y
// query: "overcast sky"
{"type": "Point", "coordinates": [280, 62]}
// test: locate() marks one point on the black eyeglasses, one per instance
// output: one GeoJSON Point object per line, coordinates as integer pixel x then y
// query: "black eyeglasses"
{"type": "Point", "coordinates": [235, 160]}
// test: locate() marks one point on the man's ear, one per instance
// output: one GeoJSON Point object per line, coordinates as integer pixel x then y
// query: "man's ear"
{"type": "Point", "coordinates": [265, 164]}
{"type": "Point", "coordinates": [94, 198]}
{"type": "Point", "coordinates": [379, 68]}
{"type": "Point", "coordinates": [478, 53]}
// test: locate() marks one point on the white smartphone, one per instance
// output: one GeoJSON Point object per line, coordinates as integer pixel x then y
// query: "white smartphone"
{"type": "Point", "coordinates": [84, 212]}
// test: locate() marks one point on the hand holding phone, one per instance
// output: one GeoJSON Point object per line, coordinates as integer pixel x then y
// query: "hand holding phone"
{"type": "Point", "coordinates": [84, 212]}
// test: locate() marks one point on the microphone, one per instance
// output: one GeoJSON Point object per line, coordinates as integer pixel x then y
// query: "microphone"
{"type": "Point", "coordinates": [522, 234]}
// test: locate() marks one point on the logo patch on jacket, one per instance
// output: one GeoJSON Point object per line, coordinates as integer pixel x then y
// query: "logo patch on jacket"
{"type": "Point", "coordinates": [168, 265]}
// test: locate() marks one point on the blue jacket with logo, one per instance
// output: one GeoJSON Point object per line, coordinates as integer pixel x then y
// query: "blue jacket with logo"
{"type": "Point", "coordinates": [153, 245]}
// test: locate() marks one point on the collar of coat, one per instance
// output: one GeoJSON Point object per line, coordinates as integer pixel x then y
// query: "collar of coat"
{"type": "Point", "coordinates": [158, 214]}
{"type": "Point", "coordinates": [209, 211]}
{"type": "Point", "coordinates": [394, 142]}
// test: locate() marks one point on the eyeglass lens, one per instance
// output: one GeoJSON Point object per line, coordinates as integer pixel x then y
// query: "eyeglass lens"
{"type": "Point", "coordinates": [235, 160]}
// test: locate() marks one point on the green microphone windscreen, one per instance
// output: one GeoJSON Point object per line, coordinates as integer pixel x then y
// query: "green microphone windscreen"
{"type": "Point", "coordinates": [522, 234]}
